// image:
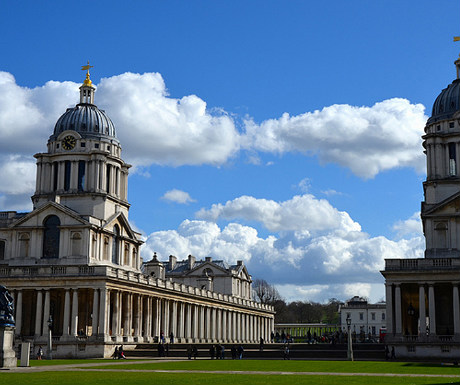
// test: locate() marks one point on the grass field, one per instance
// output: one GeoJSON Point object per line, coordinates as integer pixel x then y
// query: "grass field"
{"type": "Point", "coordinates": [126, 374]}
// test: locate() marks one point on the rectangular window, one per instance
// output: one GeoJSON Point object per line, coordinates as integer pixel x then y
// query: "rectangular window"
{"type": "Point", "coordinates": [383, 316]}
{"type": "Point", "coordinates": [81, 175]}
{"type": "Point", "coordinates": [452, 159]}
{"type": "Point", "coordinates": [373, 316]}
{"type": "Point", "coordinates": [67, 166]}
{"type": "Point", "coordinates": [361, 316]}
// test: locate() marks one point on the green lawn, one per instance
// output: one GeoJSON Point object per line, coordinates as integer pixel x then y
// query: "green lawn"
{"type": "Point", "coordinates": [123, 378]}
{"type": "Point", "coordinates": [111, 376]}
{"type": "Point", "coordinates": [298, 366]}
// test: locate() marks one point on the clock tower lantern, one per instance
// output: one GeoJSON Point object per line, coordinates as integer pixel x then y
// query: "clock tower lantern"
{"type": "Point", "coordinates": [83, 169]}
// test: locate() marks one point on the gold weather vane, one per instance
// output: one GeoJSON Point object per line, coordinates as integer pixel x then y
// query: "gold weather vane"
{"type": "Point", "coordinates": [86, 68]}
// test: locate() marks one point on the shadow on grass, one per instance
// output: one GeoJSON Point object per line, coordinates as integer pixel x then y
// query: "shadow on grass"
{"type": "Point", "coordinates": [430, 365]}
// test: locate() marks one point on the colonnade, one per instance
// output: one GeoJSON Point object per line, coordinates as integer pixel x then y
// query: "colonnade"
{"type": "Point", "coordinates": [96, 176]}
{"type": "Point", "coordinates": [125, 316]}
{"type": "Point", "coordinates": [401, 311]}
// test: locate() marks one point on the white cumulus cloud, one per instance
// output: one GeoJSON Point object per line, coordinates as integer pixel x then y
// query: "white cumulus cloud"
{"type": "Point", "coordinates": [178, 196]}
{"type": "Point", "coordinates": [313, 255]}
{"type": "Point", "coordinates": [367, 140]}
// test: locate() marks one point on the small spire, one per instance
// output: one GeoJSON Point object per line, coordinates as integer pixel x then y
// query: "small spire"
{"type": "Point", "coordinates": [457, 62]}
{"type": "Point", "coordinates": [87, 81]}
{"type": "Point", "coordinates": [87, 88]}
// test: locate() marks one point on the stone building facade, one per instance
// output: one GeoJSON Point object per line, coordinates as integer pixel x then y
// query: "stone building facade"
{"type": "Point", "coordinates": [74, 259]}
{"type": "Point", "coordinates": [422, 295]}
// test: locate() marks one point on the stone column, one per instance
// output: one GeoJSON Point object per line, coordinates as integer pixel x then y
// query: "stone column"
{"type": "Point", "coordinates": [234, 326]}
{"type": "Point", "coordinates": [208, 324]}
{"type": "Point", "coordinates": [224, 325]}
{"type": "Point", "coordinates": [166, 317]}
{"type": "Point", "coordinates": [173, 320]}
{"type": "Point", "coordinates": [115, 311]}
{"type": "Point", "coordinates": [157, 317]}
{"type": "Point", "coordinates": [219, 325]}
{"type": "Point", "coordinates": [455, 299]}
{"type": "Point", "coordinates": [389, 308]}
{"type": "Point", "coordinates": [38, 314]}
{"type": "Point", "coordinates": [213, 324]}
{"type": "Point", "coordinates": [46, 313]}
{"type": "Point", "coordinates": [431, 309]}
{"type": "Point", "coordinates": [66, 318]}
{"type": "Point", "coordinates": [74, 320]}
{"type": "Point", "coordinates": [201, 324]}
{"type": "Point", "coordinates": [398, 315]}
{"type": "Point", "coordinates": [180, 331]}
{"type": "Point", "coordinates": [137, 312]}
{"type": "Point", "coordinates": [18, 306]}
{"type": "Point", "coordinates": [73, 175]}
{"type": "Point", "coordinates": [196, 325]}
{"type": "Point", "coordinates": [422, 310]}
{"type": "Point", "coordinates": [104, 310]}
{"type": "Point", "coordinates": [188, 322]}
{"type": "Point", "coordinates": [146, 319]}
{"type": "Point", "coordinates": [125, 313]}
{"type": "Point", "coordinates": [95, 313]}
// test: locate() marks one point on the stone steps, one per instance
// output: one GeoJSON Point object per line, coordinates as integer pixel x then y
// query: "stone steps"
{"type": "Point", "coordinates": [271, 351]}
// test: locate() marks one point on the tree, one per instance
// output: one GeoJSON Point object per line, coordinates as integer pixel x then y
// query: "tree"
{"type": "Point", "coordinates": [265, 293]}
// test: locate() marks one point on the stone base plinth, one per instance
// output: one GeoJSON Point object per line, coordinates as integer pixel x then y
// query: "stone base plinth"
{"type": "Point", "coordinates": [7, 356]}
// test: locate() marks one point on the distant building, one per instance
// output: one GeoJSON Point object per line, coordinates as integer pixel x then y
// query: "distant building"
{"type": "Point", "coordinates": [217, 276]}
{"type": "Point", "coordinates": [366, 319]}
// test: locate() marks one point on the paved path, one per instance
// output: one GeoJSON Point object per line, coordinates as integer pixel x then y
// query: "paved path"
{"type": "Point", "coordinates": [94, 367]}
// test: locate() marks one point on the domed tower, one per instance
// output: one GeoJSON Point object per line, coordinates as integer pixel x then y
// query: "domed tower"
{"type": "Point", "coordinates": [83, 169]}
{"type": "Point", "coordinates": [442, 186]}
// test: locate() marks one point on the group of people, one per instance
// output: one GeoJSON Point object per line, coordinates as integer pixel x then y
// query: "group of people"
{"type": "Point", "coordinates": [119, 353]}
{"type": "Point", "coordinates": [388, 354]}
{"type": "Point", "coordinates": [217, 352]}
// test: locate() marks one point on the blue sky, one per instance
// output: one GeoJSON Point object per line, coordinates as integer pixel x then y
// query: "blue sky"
{"type": "Point", "coordinates": [286, 134]}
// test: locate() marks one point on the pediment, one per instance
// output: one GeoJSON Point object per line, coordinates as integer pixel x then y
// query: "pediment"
{"type": "Point", "coordinates": [35, 218]}
{"type": "Point", "coordinates": [216, 269]}
{"type": "Point", "coordinates": [449, 206]}
{"type": "Point", "coordinates": [124, 225]}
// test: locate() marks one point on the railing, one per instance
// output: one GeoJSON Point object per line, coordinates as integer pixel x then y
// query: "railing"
{"type": "Point", "coordinates": [108, 271]}
{"type": "Point", "coordinates": [422, 264]}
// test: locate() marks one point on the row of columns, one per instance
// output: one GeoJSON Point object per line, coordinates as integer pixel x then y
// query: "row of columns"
{"type": "Point", "coordinates": [394, 309]}
{"type": "Point", "coordinates": [124, 316]}
{"type": "Point", "coordinates": [99, 176]}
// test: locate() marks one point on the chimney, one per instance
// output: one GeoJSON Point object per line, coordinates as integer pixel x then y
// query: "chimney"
{"type": "Point", "coordinates": [191, 261]}
{"type": "Point", "coordinates": [172, 262]}
{"type": "Point", "coordinates": [208, 259]}
{"type": "Point", "coordinates": [239, 263]}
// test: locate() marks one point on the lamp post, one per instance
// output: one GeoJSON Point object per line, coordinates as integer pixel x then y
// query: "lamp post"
{"type": "Point", "coordinates": [350, 344]}
{"type": "Point", "coordinates": [50, 337]}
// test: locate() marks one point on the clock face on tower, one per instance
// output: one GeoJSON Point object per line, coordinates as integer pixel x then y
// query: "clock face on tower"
{"type": "Point", "coordinates": [68, 142]}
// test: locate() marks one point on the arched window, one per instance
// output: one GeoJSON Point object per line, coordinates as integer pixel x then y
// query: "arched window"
{"type": "Point", "coordinates": [51, 237]}
{"type": "Point", "coordinates": [116, 245]}
{"type": "Point", "coordinates": [106, 249]}
{"type": "Point", "coordinates": [126, 259]}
